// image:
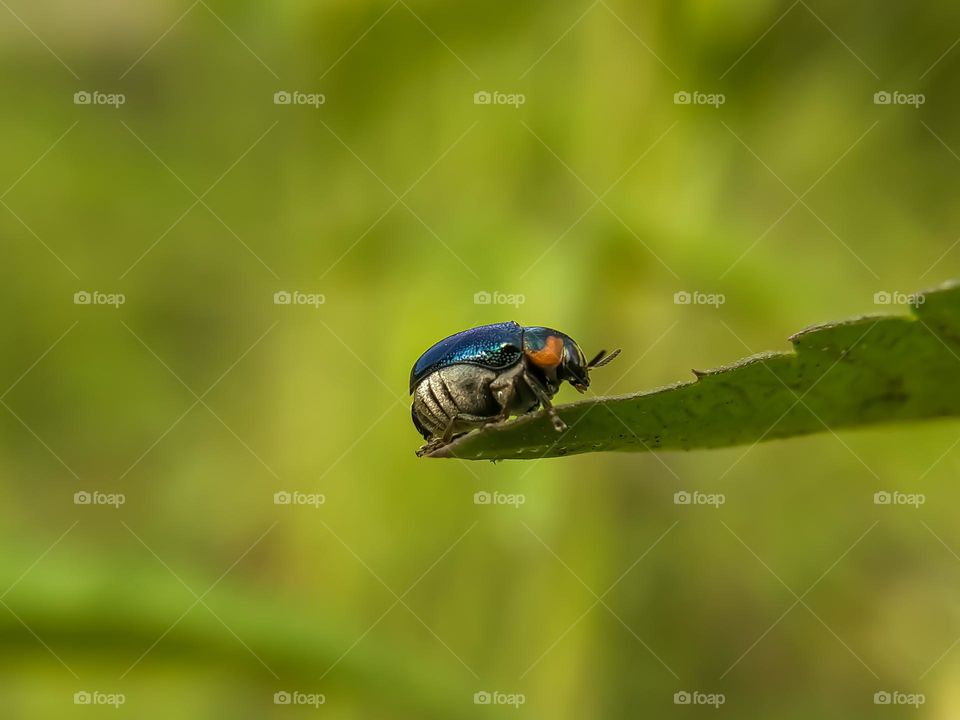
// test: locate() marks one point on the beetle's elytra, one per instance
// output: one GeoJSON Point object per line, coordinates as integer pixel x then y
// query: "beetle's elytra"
{"type": "Point", "coordinates": [488, 373]}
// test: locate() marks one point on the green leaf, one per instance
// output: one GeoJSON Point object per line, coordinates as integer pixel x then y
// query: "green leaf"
{"type": "Point", "coordinates": [867, 370]}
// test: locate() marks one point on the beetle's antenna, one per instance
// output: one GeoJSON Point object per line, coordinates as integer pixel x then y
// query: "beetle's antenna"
{"type": "Point", "coordinates": [602, 358]}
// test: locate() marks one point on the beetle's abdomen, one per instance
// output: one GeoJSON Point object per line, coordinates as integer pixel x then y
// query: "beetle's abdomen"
{"type": "Point", "coordinates": [451, 391]}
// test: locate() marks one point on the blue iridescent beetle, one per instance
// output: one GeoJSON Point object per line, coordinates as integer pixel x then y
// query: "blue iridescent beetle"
{"type": "Point", "coordinates": [485, 374]}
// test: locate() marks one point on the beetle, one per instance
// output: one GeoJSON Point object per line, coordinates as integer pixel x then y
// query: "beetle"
{"type": "Point", "coordinates": [487, 373]}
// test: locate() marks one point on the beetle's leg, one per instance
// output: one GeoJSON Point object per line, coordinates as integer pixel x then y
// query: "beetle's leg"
{"type": "Point", "coordinates": [544, 397]}
{"type": "Point", "coordinates": [429, 447]}
{"type": "Point", "coordinates": [447, 437]}
{"type": "Point", "coordinates": [466, 418]}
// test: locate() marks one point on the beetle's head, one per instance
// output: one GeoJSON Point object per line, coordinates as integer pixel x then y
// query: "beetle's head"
{"type": "Point", "coordinates": [559, 358]}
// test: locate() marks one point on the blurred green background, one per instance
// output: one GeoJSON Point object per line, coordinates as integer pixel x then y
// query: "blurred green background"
{"type": "Point", "coordinates": [398, 198]}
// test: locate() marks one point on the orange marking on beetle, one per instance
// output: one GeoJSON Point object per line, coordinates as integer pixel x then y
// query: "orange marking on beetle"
{"type": "Point", "coordinates": [550, 355]}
